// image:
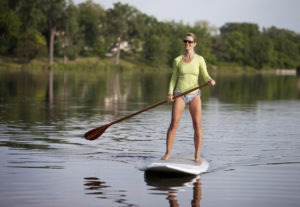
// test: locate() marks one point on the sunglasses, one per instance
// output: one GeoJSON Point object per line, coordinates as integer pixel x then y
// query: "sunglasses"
{"type": "Point", "coordinates": [188, 41]}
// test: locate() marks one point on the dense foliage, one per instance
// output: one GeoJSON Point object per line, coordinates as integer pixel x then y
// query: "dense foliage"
{"type": "Point", "coordinates": [36, 28]}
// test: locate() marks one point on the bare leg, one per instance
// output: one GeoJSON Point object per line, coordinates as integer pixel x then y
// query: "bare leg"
{"type": "Point", "coordinates": [195, 111]}
{"type": "Point", "coordinates": [178, 107]}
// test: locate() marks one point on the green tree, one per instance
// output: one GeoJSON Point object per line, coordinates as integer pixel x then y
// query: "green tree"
{"type": "Point", "coordinates": [236, 41]}
{"type": "Point", "coordinates": [204, 45]}
{"type": "Point", "coordinates": [175, 33]}
{"type": "Point", "coordinates": [68, 44]}
{"type": "Point", "coordinates": [120, 26]}
{"type": "Point", "coordinates": [261, 51]}
{"type": "Point", "coordinates": [31, 42]}
{"type": "Point", "coordinates": [143, 25]}
{"type": "Point", "coordinates": [54, 13]}
{"type": "Point", "coordinates": [159, 47]}
{"type": "Point", "coordinates": [232, 47]}
{"type": "Point", "coordinates": [286, 47]}
{"type": "Point", "coordinates": [156, 49]}
{"type": "Point", "coordinates": [91, 20]}
{"type": "Point", "coordinates": [248, 29]}
{"type": "Point", "coordinates": [9, 27]}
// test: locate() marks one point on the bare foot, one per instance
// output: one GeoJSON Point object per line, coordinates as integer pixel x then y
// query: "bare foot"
{"type": "Point", "coordinates": [198, 160]}
{"type": "Point", "coordinates": [165, 157]}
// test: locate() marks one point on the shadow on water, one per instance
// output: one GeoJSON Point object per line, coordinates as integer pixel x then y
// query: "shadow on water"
{"type": "Point", "coordinates": [173, 184]}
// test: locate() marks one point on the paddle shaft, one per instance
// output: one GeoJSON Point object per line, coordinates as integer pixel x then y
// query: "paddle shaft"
{"type": "Point", "coordinates": [95, 133]}
{"type": "Point", "coordinates": [157, 104]}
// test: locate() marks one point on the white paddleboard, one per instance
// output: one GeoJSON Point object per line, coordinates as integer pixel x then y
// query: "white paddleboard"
{"type": "Point", "coordinates": [182, 166]}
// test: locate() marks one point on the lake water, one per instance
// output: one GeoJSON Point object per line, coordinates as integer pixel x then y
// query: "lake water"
{"type": "Point", "coordinates": [251, 126]}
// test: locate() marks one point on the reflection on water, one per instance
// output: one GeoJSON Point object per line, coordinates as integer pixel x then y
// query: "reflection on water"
{"type": "Point", "coordinates": [114, 95]}
{"type": "Point", "coordinates": [57, 96]}
{"type": "Point", "coordinates": [251, 139]}
{"type": "Point", "coordinates": [250, 89]}
{"type": "Point", "coordinates": [173, 185]}
{"type": "Point", "coordinates": [49, 93]}
{"type": "Point", "coordinates": [94, 186]}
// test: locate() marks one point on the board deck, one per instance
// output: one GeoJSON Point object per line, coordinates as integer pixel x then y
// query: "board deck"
{"type": "Point", "coordinates": [183, 166]}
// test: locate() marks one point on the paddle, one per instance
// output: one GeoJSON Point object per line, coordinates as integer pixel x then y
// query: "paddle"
{"type": "Point", "coordinates": [97, 132]}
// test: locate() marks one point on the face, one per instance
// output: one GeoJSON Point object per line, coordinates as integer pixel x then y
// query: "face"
{"type": "Point", "coordinates": [189, 43]}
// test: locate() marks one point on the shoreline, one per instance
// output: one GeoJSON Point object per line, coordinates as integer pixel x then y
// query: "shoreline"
{"type": "Point", "coordinates": [107, 64]}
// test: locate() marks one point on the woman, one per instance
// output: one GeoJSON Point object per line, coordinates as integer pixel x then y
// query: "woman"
{"type": "Point", "coordinates": [187, 69]}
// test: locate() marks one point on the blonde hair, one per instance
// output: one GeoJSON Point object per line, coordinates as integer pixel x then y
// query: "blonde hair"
{"type": "Point", "coordinates": [190, 34]}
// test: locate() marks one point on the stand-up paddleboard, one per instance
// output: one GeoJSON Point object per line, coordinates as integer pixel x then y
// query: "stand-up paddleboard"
{"type": "Point", "coordinates": [179, 166]}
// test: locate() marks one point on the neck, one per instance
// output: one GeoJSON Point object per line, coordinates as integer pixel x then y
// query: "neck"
{"type": "Point", "coordinates": [189, 53]}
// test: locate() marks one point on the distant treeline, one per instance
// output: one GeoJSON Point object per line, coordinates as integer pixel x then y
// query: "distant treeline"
{"type": "Point", "coordinates": [32, 29]}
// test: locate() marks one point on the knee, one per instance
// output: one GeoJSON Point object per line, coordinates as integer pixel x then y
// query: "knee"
{"type": "Point", "coordinates": [197, 126]}
{"type": "Point", "coordinates": [173, 125]}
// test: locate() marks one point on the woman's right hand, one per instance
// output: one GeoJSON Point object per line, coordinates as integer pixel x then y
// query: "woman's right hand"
{"type": "Point", "coordinates": [170, 98]}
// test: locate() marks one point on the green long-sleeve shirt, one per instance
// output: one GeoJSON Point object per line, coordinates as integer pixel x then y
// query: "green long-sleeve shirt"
{"type": "Point", "coordinates": [186, 75]}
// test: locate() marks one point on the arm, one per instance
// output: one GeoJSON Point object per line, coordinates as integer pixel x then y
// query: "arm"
{"type": "Point", "coordinates": [173, 78]}
{"type": "Point", "coordinates": [204, 72]}
{"type": "Point", "coordinates": [173, 81]}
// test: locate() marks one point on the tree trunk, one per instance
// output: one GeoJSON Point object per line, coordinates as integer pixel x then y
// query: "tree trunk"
{"type": "Point", "coordinates": [51, 45]}
{"type": "Point", "coordinates": [66, 44]}
{"type": "Point", "coordinates": [118, 51]}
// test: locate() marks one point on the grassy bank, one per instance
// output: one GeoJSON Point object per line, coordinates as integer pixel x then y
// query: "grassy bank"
{"type": "Point", "coordinates": [108, 64]}
{"type": "Point", "coordinates": [87, 63]}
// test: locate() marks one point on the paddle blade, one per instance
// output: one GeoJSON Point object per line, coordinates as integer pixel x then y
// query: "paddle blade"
{"type": "Point", "coordinates": [95, 133]}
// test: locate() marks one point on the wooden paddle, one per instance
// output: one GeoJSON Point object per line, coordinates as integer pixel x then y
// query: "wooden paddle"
{"type": "Point", "coordinates": [97, 132]}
